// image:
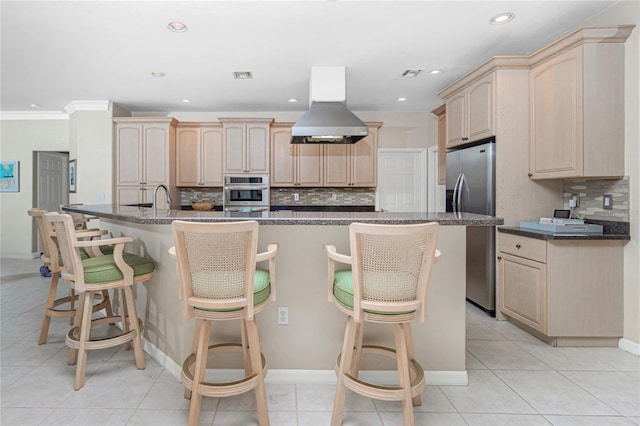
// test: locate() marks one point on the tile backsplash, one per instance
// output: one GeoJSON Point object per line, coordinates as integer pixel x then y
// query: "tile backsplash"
{"type": "Point", "coordinates": [591, 193]}
{"type": "Point", "coordinates": [285, 196]}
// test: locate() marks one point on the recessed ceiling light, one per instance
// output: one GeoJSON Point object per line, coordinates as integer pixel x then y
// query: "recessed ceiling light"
{"type": "Point", "coordinates": [292, 100]}
{"type": "Point", "coordinates": [242, 75]}
{"type": "Point", "coordinates": [411, 73]}
{"type": "Point", "coordinates": [34, 106]}
{"type": "Point", "coordinates": [177, 27]}
{"type": "Point", "coordinates": [185, 101]}
{"type": "Point", "coordinates": [502, 18]}
{"type": "Point", "coordinates": [401, 99]}
{"type": "Point", "coordinates": [436, 72]}
{"type": "Point", "coordinates": [157, 74]}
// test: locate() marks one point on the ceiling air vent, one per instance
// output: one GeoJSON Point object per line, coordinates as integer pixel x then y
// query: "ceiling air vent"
{"type": "Point", "coordinates": [411, 73]}
{"type": "Point", "coordinates": [242, 75]}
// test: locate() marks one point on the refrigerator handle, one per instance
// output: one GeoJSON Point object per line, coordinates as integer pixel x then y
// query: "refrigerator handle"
{"type": "Point", "coordinates": [454, 202]}
{"type": "Point", "coordinates": [458, 201]}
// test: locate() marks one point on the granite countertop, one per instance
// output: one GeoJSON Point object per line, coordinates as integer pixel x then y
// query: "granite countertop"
{"type": "Point", "coordinates": [545, 235]}
{"type": "Point", "coordinates": [144, 215]}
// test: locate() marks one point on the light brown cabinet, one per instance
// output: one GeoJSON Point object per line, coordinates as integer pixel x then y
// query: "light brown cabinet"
{"type": "Point", "coordinates": [297, 164]}
{"type": "Point", "coordinates": [145, 150]}
{"type": "Point", "coordinates": [577, 113]}
{"type": "Point", "coordinates": [567, 292]}
{"type": "Point", "coordinates": [199, 160]}
{"type": "Point", "coordinates": [246, 145]}
{"type": "Point", "coordinates": [441, 113]}
{"type": "Point", "coordinates": [355, 164]}
{"type": "Point", "coordinates": [470, 113]}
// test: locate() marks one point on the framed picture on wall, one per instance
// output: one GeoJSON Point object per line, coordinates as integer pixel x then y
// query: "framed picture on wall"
{"type": "Point", "coordinates": [73, 176]}
{"type": "Point", "coordinates": [9, 176]}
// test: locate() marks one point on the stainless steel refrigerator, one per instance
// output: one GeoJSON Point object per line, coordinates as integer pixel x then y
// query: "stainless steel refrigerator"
{"type": "Point", "coordinates": [471, 188]}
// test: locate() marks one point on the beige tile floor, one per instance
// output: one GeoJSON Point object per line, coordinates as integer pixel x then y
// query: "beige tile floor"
{"type": "Point", "coordinates": [514, 379]}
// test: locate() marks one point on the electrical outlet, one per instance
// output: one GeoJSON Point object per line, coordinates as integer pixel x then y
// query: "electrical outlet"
{"type": "Point", "coordinates": [333, 196]}
{"type": "Point", "coordinates": [607, 201]}
{"type": "Point", "coordinates": [574, 201]}
{"type": "Point", "coordinates": [283, 315]}
{"type": "Point", "coordinates": [296, 196]}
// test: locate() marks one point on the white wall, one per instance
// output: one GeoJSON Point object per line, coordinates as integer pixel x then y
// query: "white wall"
{"type": "Point", "coordinates": [628, 12]}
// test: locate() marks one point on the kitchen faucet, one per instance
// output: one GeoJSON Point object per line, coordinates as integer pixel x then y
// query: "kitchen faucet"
{"type": "Point", "coordinates": [155, 196]}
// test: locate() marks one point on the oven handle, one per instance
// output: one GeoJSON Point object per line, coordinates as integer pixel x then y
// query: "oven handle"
{"type": "Point", "coordinates": [246, 187]}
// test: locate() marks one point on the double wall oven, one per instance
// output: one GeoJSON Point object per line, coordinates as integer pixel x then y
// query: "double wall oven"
{"type": "Point", "coordinates": [246, 193]}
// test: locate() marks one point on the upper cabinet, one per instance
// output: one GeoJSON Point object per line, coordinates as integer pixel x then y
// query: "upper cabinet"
{"type": "Point", "coordinates": [355, 164]}
{"type": "Point", "coordinates": [297, 164]}
{"type": "Point", "coordinates": [246, 145]}
{"type": "Point", "coordinates": [470, 113]}
{"type": "Point", "coordinates": [577, 113]}
{"type": "Point", "coordinates": [145, 149]}
{"type": "Point", "coordinates": [441, 113]}
{"type": "Point", "coordinates": [199, 159]}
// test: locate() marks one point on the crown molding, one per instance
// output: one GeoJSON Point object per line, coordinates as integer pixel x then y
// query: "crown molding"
{"type": "Point", "coordinates": [74, 106]}
{"type": "Point", "coordinates": [33, 115]}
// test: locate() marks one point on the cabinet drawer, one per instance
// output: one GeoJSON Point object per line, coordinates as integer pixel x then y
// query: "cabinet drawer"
{"type": "Point", "coordinates": [529, 248]}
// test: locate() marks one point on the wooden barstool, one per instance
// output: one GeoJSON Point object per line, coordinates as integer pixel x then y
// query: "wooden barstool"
{"type": "Point", "coordinates": [118, 271]}
{"type": "Point", "coordinates": [387, 283]}
{"type": "Point", "coordinates": [52, 306]}
{"type": "Point", "coordinates": [218, 280]}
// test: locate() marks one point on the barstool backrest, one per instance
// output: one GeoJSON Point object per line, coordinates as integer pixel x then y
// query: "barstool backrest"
{"type": "Point", "coordinates": [43, 234]}
{"type": "Point", "coordinates": [392, 267]}
{"type": "Point", "coordinates": [216, 267]}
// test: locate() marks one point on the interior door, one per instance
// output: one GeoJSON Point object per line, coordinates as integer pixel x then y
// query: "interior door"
{"type": "Point", "coordinates": [51, 185]}
{"type": "Point", "coordinates": [402, 180]}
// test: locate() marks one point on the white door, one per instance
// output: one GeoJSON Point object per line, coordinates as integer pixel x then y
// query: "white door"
{"type": "Point", "coordinates": [437, 193]}
{"type": "Point", "coordinates": [402, 183]}
{"type": "Point", "coordinates": [51, 184]}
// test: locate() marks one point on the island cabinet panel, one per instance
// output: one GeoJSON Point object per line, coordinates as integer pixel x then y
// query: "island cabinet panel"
{"type": "Point", "coordinates": [246, 145]}
{"type": "Point", "coordinates": [145, 151]}
{"type": "Point", "coordinates": [199, 160]}
{"type": "Point", "coordinates": [470, 113]}
{"type": "Point", "coordinates": [355, 164]}
{"type": "Point", "coordinates": [577, 113]}
{"type": "Point", "coordinates": [294, 165]}
{"type": "Point", "coordinates": [569, 291]}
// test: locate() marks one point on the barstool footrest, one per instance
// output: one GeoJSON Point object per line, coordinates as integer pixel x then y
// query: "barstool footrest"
{"type": "Point", "coordinates": [384, 392]}
{"type": "Point", "coordinates": [73, 342]}
{"type": "Point", "coordinates": [221, 389]}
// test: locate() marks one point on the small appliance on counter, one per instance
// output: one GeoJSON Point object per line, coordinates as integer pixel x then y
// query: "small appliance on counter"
{"type": "Point", "coordinates": [561, 223]}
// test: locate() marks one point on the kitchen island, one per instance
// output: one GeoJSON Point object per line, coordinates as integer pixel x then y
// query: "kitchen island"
{"type": "Point", "coordinates": [307, 347]}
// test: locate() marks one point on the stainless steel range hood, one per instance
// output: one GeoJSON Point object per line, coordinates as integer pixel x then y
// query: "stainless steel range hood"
{"type": "Point", "coordinates": [328, 120]}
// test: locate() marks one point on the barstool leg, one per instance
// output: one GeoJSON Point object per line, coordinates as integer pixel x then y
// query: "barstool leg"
{"type": "Point", "coordinates": [122, 300]}
{"type": "Point", "coordinates": [72, 359]}
{"type": "Point", "coordinates": [403, 371]}
{"type": "Point", "coordinates": [194, 350]}
{"type": "Point", "coordinates": [245, 347]}
{"type": "Point", "coordinates": [357, 356]}
{"type": "Point", "coordinates": [345, 364]}
{"type": "Point", "coordinates": [49, 304]}
{"type": "Point", "coordinates": [198, 374]}
{"type": "Point", "coordinates": [132, 317]}
{"type": "Point", "coordinates": [256, 367]}
{"type": "Point", "coordinates": [108, 308]}
{"type": "Point", "coordinates": [411, 354]}
{"type": "Point", "coordinates": [85, 336]}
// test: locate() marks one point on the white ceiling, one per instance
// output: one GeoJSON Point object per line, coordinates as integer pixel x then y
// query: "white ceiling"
{"type": "Point", "coordinates": [56, 52]}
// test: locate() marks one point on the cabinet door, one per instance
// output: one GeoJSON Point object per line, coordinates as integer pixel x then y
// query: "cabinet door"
{"type": "Point", "coordinates": [129, 195]}
{"type": "Point", "coordinates": [257, 148]}
{"type": "Point", "coordinates": [234, 149]}
{"type": "Point", "coordinates": [310, 165]}
{"type": "Point", "coordinates": [442, 149]}
{"type": "Point", "coordinates": [129, 154]}
{"type": "Point", "coordinates": [211, 168]}
{"type": "Point", "coordinates": [456, 117]}
{"type": "Point", "coordinates": [337, 165]}
{"type": "Point", "coordinates": [156, 154]}
{"type": "Point", "coordinates": [364, 168]}
{"type": "Point", "coordinates": [283, 158]}
{"type": "Point", "coordinates": [523, 290]}
{"type": "Point", "coordinates": [188, 157]}
{"type": "Point", "coordinates": [556, 117]}
{"type": "Point", "coordinates": [480, 110]}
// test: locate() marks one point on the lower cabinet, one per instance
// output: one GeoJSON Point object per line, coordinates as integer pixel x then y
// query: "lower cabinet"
{"type": "Point", "coordinates": [142, 194]}
{"type": "Point", "coordinates": [567, 292]}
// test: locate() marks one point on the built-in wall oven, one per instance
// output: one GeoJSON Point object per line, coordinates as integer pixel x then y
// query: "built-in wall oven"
{"type": "Point", "coordinates": [244, 193]}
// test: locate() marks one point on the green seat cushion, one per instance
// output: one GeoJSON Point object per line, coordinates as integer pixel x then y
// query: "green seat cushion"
{"type": "Point", "coordinates": [261, 290]}
{"type": "Point", "coordinates": [103, 269]}
{"type": "Point", "coordinates": [343, 292]}
{"type": "Point", "coordinates": [84, 255]}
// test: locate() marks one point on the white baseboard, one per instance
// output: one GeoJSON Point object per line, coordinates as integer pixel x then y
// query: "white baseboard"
{"type": "Point", "coordinates": [629, 346]}
{"type": "Point", "coordinates": [284, 376]}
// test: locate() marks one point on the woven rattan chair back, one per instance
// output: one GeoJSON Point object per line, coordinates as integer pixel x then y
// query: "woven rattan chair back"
{"type": "Point", "coordinates": [43, 235]}
{"type": "Point", "coordinates": [216, 266]}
